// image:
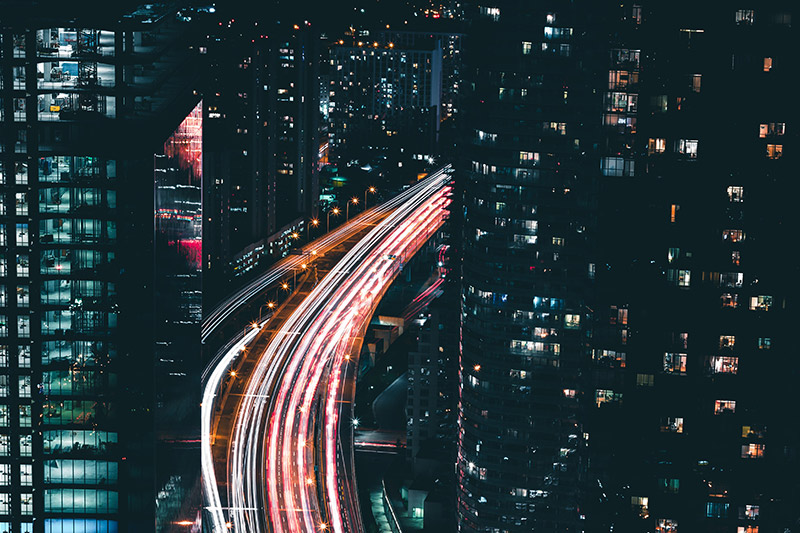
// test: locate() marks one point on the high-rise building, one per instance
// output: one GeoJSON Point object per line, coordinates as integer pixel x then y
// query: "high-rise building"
{"type": "Point", "coordinates": [627, 192]}
{"type": "Point", "coordinates": [383, 91]}
{"type": "Point", "coordinates": [100, 238]}
{"type": "Point", "coordinates": [529, 178]}
{"type": "Point", "coordinates": [262, 139]}
{"type": "Point", "coordinates": [691, 360]}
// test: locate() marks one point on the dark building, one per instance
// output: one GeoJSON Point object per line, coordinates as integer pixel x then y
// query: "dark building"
{"type": "Point", "coordinates": [691, 360]}
{"type": "Point", "coordinates": [384, 94]}
{"type": "Point", "coordinates": [628, 188]}
{"type": "Point", "coordinates": [100, 243]}
{"type": "Point", "coordinates": [262, 139]}
{"type": "Point", "coordinates": [529, 179]}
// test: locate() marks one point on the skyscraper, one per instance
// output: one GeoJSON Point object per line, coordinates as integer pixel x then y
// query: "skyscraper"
{"type": "Point", "coordinates": [691, 363]}
{"type": "Point", "coordinates": [99, 291]}
{"type": "Point", "coordinates": [529, 182]}
{"type": "Point", "coordinates": [625, 360]}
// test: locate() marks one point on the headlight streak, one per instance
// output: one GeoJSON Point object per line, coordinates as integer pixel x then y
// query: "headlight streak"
{"type": "Point", "coordinates": [299, 371]}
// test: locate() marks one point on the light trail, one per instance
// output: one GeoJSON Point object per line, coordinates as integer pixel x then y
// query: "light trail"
{"type": "Point", "coordinates": [285, 266]}
{"type": "Point", "coordinates": [272, 453]}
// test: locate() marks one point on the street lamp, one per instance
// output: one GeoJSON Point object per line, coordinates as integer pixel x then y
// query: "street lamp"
{"type": "Point", "coordinates": [335, 211]}
{"type": "Point", "coordinates": [271, 306]}
{"type": "Point", "coordinates": [314, 222]}
{"type": "Point", "coordinates": [353, 201]}
{"type": "Point", "coordinates": [372, 190]}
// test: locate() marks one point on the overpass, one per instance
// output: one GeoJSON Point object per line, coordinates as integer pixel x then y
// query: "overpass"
{"type": "Point", "coordinates": [277, 445]}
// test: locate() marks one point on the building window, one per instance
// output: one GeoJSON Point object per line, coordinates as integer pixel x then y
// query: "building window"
{"type": "Point", "coordinates": [722, 364]}
{"type": "Point", "coordinates": [529, 157]}
{"type": "Point", "coordinates": [644, 380]}
{"type": "Point", "coordinates": [675, 363]}
{"type": "Point", "coordinates": [687, 147]}
{"type": "Point", "coordinates": [666, 525]}
{"type": "Point", "coordinates": [640, 506]}
{"type": "Point", "coordinates": [669, 485]}
{"type": "Point", "coordinates": [747, 529]}
{"type": "Point", "coordinates": [735, 193]}
{"type": "Point", "coordinates": [748, 512]}
{"type": "Point", "coordinates": [696, 82]}
{"type": "Point", "coordinates": [770, 129]}
{"type": "Point", "coordinates": [526, 47]}
{"type": "Point", "coordinates": [671, 424]}
{"type": "Point", "coordinates": [774, 151]}
{"type": "Point", "coordinates": [656, 146]}
{"type": "Point", "coordinates": [673, 213]}
{"type": "Point", "coordinates": [724, 406]}
{"type": "Point", "coordinates": [752, 451]}
{"type": "Point", "coordinates": [761, 303]}
{"type": "Point", "coordinates": [767, 64]}
{"type": "Point", "coordinates": [764, 343]}
{"type": "Point", "coordinates": [733, 235]}
{"type": "Point", "coordinates": [745, 17]}
{"type": "Point", "coordinates": [717, 510]}
{"type": "Point", "coordinates": [607, 396]}
{"type": "Point", "coordinates": [617, 166]}
{"type": "Point", "coordinates": [681, 278]}
{"type": "Point", "coordinates": [727, 342]}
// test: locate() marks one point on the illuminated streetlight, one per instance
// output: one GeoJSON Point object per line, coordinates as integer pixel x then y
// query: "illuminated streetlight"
{"type": "Point", "coordinates": [335, 211]}
{"type": "Point", "coordinates": [353, 201]}
{"type": "Point", "coordinates": [313, 222]}
{"type": "Point", "coordinates": [372, 190]}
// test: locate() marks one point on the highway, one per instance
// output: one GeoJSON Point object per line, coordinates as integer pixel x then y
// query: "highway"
{"type": "Point", "coordinates": [256, 288]}
{"type": "Point", "coordinates": [288, 470]}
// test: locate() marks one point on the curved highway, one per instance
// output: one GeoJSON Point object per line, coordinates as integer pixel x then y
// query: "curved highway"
{"type": "Point", "coordinates": [287, 468]}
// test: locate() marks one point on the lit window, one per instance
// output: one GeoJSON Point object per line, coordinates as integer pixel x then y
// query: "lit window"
{"type": "Point", "coordinates": [730, 300]}
{"type": "Point", "coordinates": [666, 525]}
{"type": "Point", "coordinates": [764, 343]}
{"type": "Point", "coordinates": [616, 166]}
{"type": "Point", "coordinates": [672, 425]}
{"type": "Point", "coordinates": [644, 380]}
{"type": "Point", "coordinates": [745, 17]}
{"type": "Point", "coordinates": [526, 47]}
{"type": "Point", "coordinates": [747, 529]}
{"type": "Point", "coordinates": [736, 257]}
{"type": "Point", "coordinates": [774, 151]}
{"type": "Point", "coordinates": [749, 512]}
{"type": "Point", "coordinates": [760, 303]}
{"type": "Point", "coordinates": [675, 363]}
{"type": "Point", "coordinates": [681, 278]}
{"type": "Point", "coordinates": [572, 321]}
{"type": "Point", "coordinates": [607, 396]}
{"type": "Point", "coordinates": [767, 64]}
{"type": "Point", "coordinates": [673, 212]}
{"type": "Point", "coordinates": [640, 506]}
{"type": "Point", "coordinates": [656, 146]}
{"type": "Point", "coordinates": [687, 147]}
{"type": "Point", "coordinates": [696, 81]}
{"type": "Point", "coordinates": [529, 157]}
{"type": "Point", "coordinates": [673, 254]}
{"type": "Point", "coordinates": [769, 129]}
{"type": "Point", "coordinates": [720, 364]}
{"type": "Point", "coordinates": [733, 235]}
{"type": "Point", "coordinates": [622, 79]}
{"type": "Point", "coordinates": [717, 510]}
{"type": "Point", "coordinates": [735, 193]}
{"type": "Point", "coordinates": [754, 432]}
{"type": "Point", "coordinates": [752, 451]}
{"type": "Point", "coordinates": [724, 406]}
{"type": "Point", "coordinates": [670, 485]}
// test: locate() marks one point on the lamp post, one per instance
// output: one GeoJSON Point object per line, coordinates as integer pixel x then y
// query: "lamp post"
{"type": "Point", "coordinates": [271, 306]}
{"type": "Point", "coordinates": [313, 222]}
{"type": "Point", "coordinates": [335, 211]}
{"type": "Point", "coordinates": [353, 201]}
{"type": "Point", "coordinates": [372, 190]}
